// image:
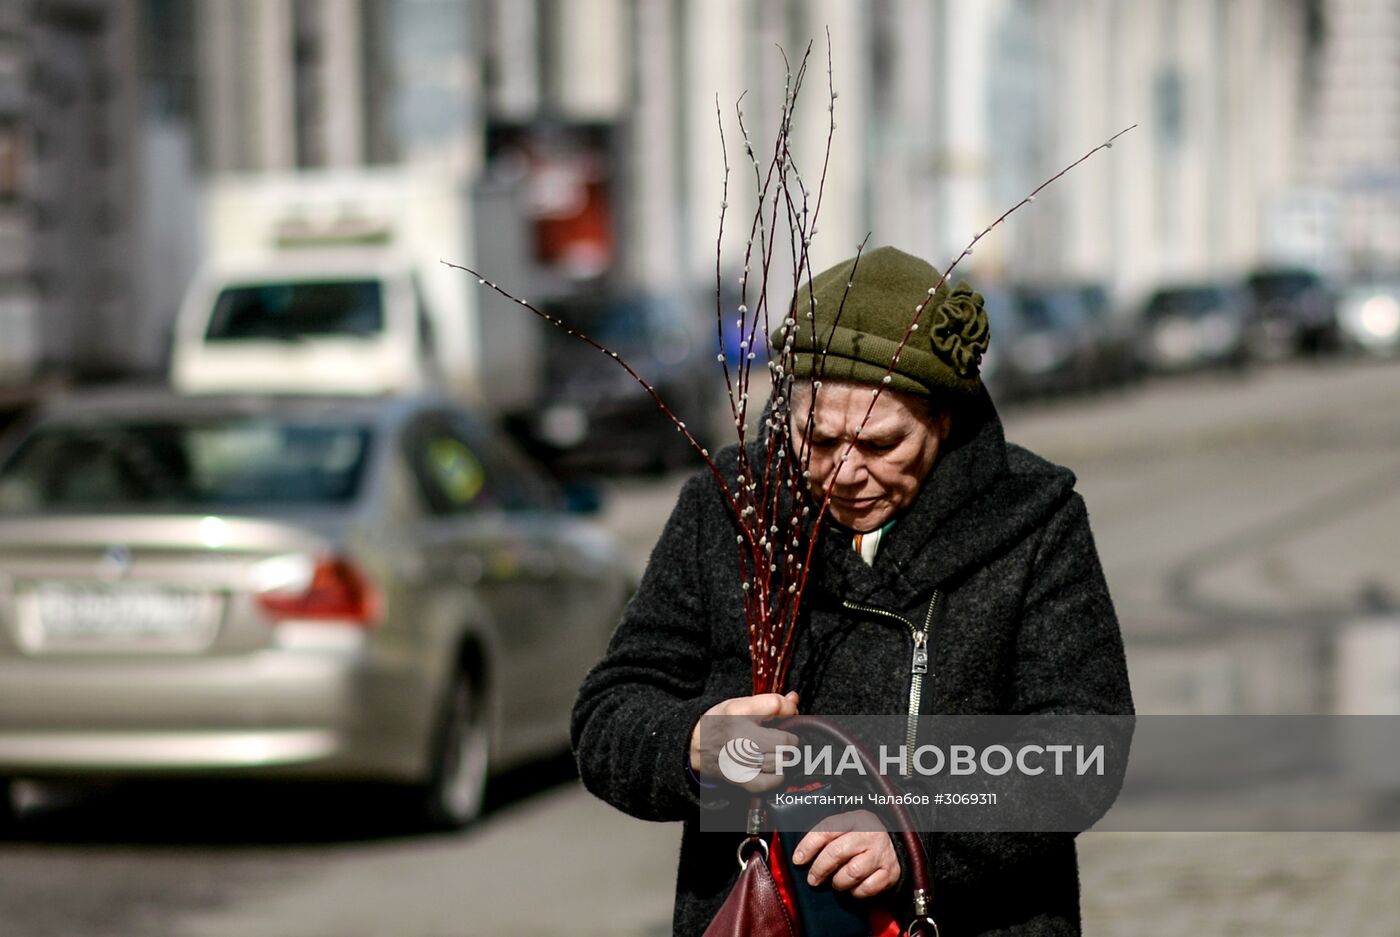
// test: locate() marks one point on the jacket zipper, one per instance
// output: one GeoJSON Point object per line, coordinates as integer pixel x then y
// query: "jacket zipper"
{"type": "Point", "coordinates": [918, 666]}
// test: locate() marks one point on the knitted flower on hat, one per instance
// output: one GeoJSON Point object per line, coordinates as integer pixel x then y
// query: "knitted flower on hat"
{"type": "Point", "coordinates": [960, 333]}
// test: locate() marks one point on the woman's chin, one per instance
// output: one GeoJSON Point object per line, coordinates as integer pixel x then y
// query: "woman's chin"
{"type": "Point", "coordinates": [861, 520]}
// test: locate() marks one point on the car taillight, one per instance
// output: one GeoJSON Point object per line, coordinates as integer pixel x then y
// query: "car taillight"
{"type": "Point", "coordinates": [335, 591]}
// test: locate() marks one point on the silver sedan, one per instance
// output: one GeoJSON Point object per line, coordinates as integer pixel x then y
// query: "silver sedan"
{"type": "Point", "coordinates": [348, 589]}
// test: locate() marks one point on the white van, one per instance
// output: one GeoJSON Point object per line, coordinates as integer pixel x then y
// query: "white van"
{"type": "Point", "coordinates": [308, 321]}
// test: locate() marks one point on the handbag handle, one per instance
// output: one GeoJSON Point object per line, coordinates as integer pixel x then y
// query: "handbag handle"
{"type": "Point", "coordinates": [913, 846]}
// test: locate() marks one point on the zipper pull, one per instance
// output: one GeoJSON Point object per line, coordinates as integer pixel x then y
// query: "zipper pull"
{"type": "Point", "coordinates": [920, 662]}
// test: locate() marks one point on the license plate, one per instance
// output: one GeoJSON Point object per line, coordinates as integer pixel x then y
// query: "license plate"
{"type": "Point", "coordinates": [72, 617]}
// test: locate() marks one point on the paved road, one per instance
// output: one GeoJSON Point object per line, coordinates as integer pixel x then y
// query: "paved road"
{"type": "Point", "coordinates": [1246, 528]}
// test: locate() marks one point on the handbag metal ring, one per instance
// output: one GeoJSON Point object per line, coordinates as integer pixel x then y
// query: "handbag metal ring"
{"type": "Point", "coordinates": [916, 927]}
{"type": "Point", "coordinates": [751, 841]}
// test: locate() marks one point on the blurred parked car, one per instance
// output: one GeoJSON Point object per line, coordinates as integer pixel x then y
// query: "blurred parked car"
{"type": "Point", "coordinates": [1194, 326]}
{"type": "Point", "coordinates": [1368, 316]}
{"type": "Point", "coordinates": [1041, 346]}
{"type": "Point", "coordinates": [1292, 310]}
{"type": "Point", "coordinates": [332, 588]}
{"type": "Point", "coordinates": [592, 415]}
{"type": "Point", "coordinates": [1112, 338]}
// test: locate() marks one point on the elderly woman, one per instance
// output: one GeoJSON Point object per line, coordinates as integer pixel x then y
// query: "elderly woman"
{"type": "Point", "coordinates": [941, 538]}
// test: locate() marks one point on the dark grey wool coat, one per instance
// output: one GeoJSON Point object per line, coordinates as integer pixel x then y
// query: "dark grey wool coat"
{"type": "Point", "coordinates": [1027, 627]}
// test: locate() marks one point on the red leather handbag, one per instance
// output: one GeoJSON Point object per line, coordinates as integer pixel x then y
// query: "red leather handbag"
{"type": "Point", "coordinates": [756, 906]}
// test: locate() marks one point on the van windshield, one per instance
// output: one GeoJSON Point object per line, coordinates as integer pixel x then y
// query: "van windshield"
{"type": "Point", "coordinates": [291, 311]}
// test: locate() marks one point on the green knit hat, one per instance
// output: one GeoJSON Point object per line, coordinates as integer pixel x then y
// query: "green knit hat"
{"type": "Point", "coordinates": [942, 356]}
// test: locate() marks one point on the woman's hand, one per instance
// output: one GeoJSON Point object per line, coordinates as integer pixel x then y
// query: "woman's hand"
{"type": "Point", "coordinates": [741, 717]}
{"type": "Point", "coordinates": [854, 851]}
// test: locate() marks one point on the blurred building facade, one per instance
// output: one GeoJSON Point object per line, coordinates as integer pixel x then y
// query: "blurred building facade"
{"type": "Point", "coordinates": [66, 192]}
{"type": "Point", "coordinates": [96, 184]}
{"type": "Point", "coordinates": [1353, 144]}
{"type": "Point", "coordinates": [1218, 92]}
{"type": "Point", "coordinates": [947, 114]}
{"type": "Point", "coordinates": [950, 112]}
{"type": "Point", "coordinates": [584, 132]}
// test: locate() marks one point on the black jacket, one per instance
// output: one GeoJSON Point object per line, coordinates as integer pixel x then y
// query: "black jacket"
{"type": "Point", "coordinates": [1027, 626]}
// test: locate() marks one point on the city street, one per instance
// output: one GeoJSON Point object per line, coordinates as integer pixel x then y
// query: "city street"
{"type": "Point", "coordinates": [1250, 530]}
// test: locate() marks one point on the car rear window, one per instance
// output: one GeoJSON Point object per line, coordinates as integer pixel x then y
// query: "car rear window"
{"type": "Point", "coordinates": [1282, 284]}
{"type": "Point", "coordinates": [172, 464]}
{"type": "Point", "coordinates": [290, 311]}
{"type": "Point", "coordinates": [1044, 311]}
{"type": "Point", "coordinates": [1187, 303]}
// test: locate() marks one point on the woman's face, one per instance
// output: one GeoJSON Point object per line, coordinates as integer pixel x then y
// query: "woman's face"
{"type": "Point", "coordinates": [880, 474]}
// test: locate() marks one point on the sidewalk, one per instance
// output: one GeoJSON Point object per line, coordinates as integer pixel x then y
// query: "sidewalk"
{"type": "Point", "coordinates": [1239, 884]}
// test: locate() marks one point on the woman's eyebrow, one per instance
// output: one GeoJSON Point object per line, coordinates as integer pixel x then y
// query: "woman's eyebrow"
{"type": "Point", "coordinates": [883, 431]}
